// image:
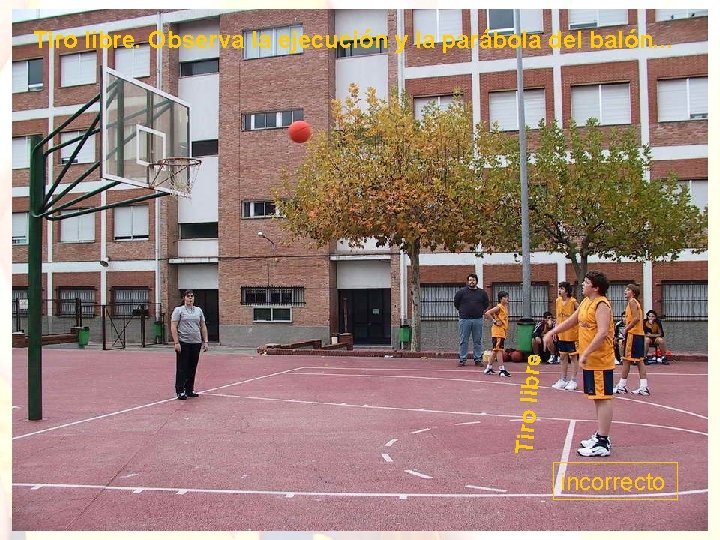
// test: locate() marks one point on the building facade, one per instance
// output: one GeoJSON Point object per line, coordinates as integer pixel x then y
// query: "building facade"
{"type": "Point", "coordinates": [261, 288]}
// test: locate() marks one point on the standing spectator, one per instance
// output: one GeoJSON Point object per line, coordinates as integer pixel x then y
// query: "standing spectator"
{"type": "Point", "coordinates": [565, 306]}
{"type": "Point", "coordinates": [634, 339]}
{"type": "Point", "coordinates": [654, 335]}
{"type": "Point", "coordinates": [500, 316]}
{"type": "Point", "coordinates": [595, 343]}
{"type": "Point", "coordinates": [471, 302]}
{"type": "Point", "coordinates": [189, 334]}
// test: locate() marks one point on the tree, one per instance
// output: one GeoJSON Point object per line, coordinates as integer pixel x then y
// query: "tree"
{"type": "Point", "coordinates": [590, 194]}
{"type": "Point", "coordinates": [382, 174]}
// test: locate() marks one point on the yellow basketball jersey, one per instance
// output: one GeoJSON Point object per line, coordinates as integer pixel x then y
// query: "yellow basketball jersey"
{"type": "Point", "coordinates": [563, 311]}
{"type": "Point", "coordinates": [637, 328]}
{"type": "Point", "coordinates": [502, 317]}
{"type": "Point", "coordinates": [603, 357]}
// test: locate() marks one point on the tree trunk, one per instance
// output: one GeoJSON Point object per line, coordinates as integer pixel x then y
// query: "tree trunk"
{"type": "Point", "coordinates": [581, 268]}
{"type": "Point", "coordinates": [414, 254]}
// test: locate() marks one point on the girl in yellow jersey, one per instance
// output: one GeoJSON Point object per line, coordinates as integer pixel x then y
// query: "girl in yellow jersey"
{"type": "Point", "coordinates": [565, 306]}
{"type": "Point", "coordinates": [597, 358]}
{"type": "Point", "coordinates": [498, 333]}
{"type": "Point", "coordinates": [634, 338]}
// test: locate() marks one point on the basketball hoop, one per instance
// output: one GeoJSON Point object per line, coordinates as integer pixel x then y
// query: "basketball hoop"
{"type": "Point", "coordinates": [176, 173]}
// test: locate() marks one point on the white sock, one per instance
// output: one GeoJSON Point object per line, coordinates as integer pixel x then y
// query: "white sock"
{"type": "Point", "coordinates": [643, 383]}
{"type": "Point", "coordinates": [622, 383]}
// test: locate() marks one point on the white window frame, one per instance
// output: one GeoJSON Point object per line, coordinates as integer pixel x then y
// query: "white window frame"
{"type": "Point", "coordinates": [137, 58]}
{"type": "Point", "coordinates": [605, 93]}
{"type": "Point", "coordinates": [436, 22]}
{"type": "Point", "coordinates": [671, 103]}
{"type": "Point", "coordinates": [534, 101]}
{"type": "Point", "coordinates": [78, 229]}
{"type": "Point", "coordinates": [596, 18]}
{"type": "Point", "coordinates": [698, 189]}
{"type": "Point", "coordinates": [131, 223]}
{"type": "Point", "coordinates": [253, 214]}
{"type": "Point", "coordinates": [251, 52]}
{"type": "Point", "coordinates": [419, 103]}
{"type": "Point", "coordinates": [78, 69]}
{"type": "Point", "coordinates": [21, 77]}
{"type": "Point", "coordinates": [677, 14]}
{"type": "Point", "coordinates": [20, 152]}
{"type": "Point", "coordinates": [273, 310]}
{"type": "Point", "coordinates": [531, 21]}
{"type": "Point", "coordinates": [87, 152]}
{"type": "Point", "coordinates": [295, 114]}
{"type": "Point", "coordinates": [20, 228]}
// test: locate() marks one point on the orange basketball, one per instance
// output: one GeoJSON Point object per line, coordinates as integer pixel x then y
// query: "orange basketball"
{"type": "Point", "coordinates": [300, 131]}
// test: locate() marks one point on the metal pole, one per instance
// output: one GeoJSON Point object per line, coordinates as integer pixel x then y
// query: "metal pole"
{"type": "Point", "coordinates": [34, 330]}
{"type": "Point", "coordinates": [524, 204]}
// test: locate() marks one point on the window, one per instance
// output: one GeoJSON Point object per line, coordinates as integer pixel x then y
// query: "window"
{"type": "Point", "coordinates": [538, 298]}
{"type": "Point", "coordinates": [443, 102]}
{"type": "Point", "coordinates": [504, 108]}
{"type": "Point", "coordinates": [20, 301]}
{"type": "Point", "coordinates": [616, 295]}
{"type": "Point", "coordinates": [592, 18]}
{"type": "Point", "coordinates": [199, 67]}
{"type": "Point", "coordinates": [685, 301]}
{"type": "Point", "coordinates": [27, 75]}
{"type": "Point", "coordinates": [66, 301]}
{"type": "Point", "coordinates": [192, 231]}
{"type": "Point", "coordinates": [437, 302]}
{"type": "Point", "coordinates": [256, 209]}
{"type": "Point", "coordinates": [278, 296]}
{"type": "Point", "coordinates": [273, 119]}
{"type": "Point", "coordinates": [698, 194]}
{"type": "Point", "coordinates": [683, 99]}
{"type": "Point", "coordinates": [87, 152]}
{"type": "Point", "coordinates": [272, 314]}
{"type": "Point", "coordinates": [20, 152]}
{"type": "Point", "coordinates": [673, 14]}
{"type": "Point", "coordinates": [19, 228]}
{"type": "Point", "coordinates": [129, 301]}
{"type": "Point", "coordinates": [272, 42]}
{"type": "Point", "coordinates": [131, 222]}
{"type": "Point", "coordinates": [77, 229]}
{"type": "Point", "coordinates": [205, 148]}
{"type": "Point", "coordinates": [437, 22]}
{"type": "Point", "coordinates": [77, 69]}
{"type": "Point", "coordinates": [502, 21]}
{"type": "Point", "coordinates": [609, 103]}
{"type": "Point", "coordinates": [349, 50]}
{"type": "Point", "coordinates": [133, 62]}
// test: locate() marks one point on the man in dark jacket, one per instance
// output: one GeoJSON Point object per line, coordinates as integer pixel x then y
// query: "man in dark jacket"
{"type": "Point", "coordinates": [471, 302]}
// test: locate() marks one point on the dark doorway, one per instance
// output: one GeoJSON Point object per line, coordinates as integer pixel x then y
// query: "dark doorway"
{"type": "Point", "coordinates": [207, 299]}
{"type": "Point", "coordinates": [365, 313]}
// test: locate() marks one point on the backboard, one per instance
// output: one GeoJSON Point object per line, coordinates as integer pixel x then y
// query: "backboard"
{"type": "Point", "coordinates": [141, 125]}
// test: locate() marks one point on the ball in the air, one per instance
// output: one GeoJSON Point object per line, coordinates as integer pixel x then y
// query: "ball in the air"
{"type": "Point", "coordinates": [300, 131]}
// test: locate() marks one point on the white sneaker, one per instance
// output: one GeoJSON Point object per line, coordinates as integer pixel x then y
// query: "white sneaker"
{"type": "Point", "coordinates": [597, 450]}
{"type": "Point", "coordinates": [562, 383]}
{"type": "Point", "coordinates": [642, 391]}
{"type": "Point", "coordinates": [589, 443]}
{"type": "Point", "coordinates": [572, 385]}
{"type": "Point", "coordinates": [620, 390]}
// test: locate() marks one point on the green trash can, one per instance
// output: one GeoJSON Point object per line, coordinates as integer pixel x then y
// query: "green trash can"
{"type": "Point", "coordinates": [405, 333]}
{"type": "Point", "coordinates": [158, 331]}
{"type": "Point", "coordinates": [523, 336]}
{"type": "Point", "coordinates": [83, 336]}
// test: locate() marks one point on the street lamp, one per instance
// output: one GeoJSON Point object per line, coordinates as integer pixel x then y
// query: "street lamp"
{"type": "Point", "coordinates": [262, 235]}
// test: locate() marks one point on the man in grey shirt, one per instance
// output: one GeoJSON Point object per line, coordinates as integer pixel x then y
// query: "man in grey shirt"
{"type": "Point", "coordinates": [190, 334]}
{"type": "Point", "coordinates": [471, 302]}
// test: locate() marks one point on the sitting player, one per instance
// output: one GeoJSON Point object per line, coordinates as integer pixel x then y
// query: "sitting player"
{"type": "Point", "coordinates": [542, 328]}
{"type": "Point", "coordinates": [654, 336]}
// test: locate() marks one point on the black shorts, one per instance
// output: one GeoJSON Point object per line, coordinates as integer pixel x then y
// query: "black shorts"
{"type": "Point", "coordinates": [498, 343]}
{"type": "Point", "coordinates": [598, 384]}
{"type": "Point", "coordinates": [634, 348]}
{"type": "Point", "coordinates": [566, 347]}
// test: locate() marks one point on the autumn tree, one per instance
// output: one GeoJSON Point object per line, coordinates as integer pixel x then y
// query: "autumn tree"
{"type": "Point", "coordinates": [381, 173]}
{"type": "Point", "coordinates": [589, 194]}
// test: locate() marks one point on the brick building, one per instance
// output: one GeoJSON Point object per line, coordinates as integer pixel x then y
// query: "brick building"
{"type": "Point", "coordinates": [262, 288]}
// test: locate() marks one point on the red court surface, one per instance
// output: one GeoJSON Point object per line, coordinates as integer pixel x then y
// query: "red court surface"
{"type": "Point", "coordinates": [327, 443]}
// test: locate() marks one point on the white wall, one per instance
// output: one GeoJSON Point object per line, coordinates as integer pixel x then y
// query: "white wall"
{"type": "Point", "coordinates": [202, 207]}
{"type": "Point", "coordinates": [363, 274]}
{"type": "Point", "coordinates": [366, 71]}
{"type": "Point", "coordinates": [197, 276]}
{"type": "Point", "coordinates": [197, 248]}
{"type": "Point", "coordinates": [203, 94]}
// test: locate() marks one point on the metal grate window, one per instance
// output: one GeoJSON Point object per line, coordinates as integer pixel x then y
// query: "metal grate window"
{"type": "Point", "coordinates": [538, 298]}
{"type": "Point", "coordinates": [437, 302]}
{"type": "Point", "coordinates": [129, 301]}
{"type": "Point", "coordinates": [273, 296]}
{"type": "Point", "coordinates": [616, 295]}
{"type": "Point", "coordinates": [685, 301]}
{"type": "Point", "coordinates": [66, 301]}
{"type": "Point", "coordinates": [20, 295]}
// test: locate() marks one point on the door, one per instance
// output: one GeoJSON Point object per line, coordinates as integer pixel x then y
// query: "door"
{"type": "Point", "coordinates": [365, 313]}
{"type": "Point", "coordinates": [207, 299]}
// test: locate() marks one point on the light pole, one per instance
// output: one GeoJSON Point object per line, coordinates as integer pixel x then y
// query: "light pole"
{"type": "Point", "coordinates": [274, 246]}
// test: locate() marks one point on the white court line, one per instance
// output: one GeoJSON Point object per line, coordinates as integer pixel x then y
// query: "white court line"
{"type": "Point", "coordinates": [668, 407]}
{"type": "Point", "coordinates": [419, 474]}
{"type": "Point", "coordinates": [130, 409]}
{"type": "Point", "coordinates": [387, 458]}
{"type": "Point", "coordinates": [486, 488]}
{"type": "Point", "coordinates": [390, 442]}
{"type": "Point", "coordinates": [421, 430]}
{"type": "Point", "coordinates": [426, 369]}
{"type": "Point", "coordinates": [366, 494]}
{"type": "Point", "coordinates": [557, 490]}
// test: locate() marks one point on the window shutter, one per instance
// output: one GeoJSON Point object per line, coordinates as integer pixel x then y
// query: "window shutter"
{"type": "Point", "coordinates": [420, 104]}
{"type": "Point", "coordinates": [20, 153]}
{"type": "Point", "coordinates": [19, 227]}
{"type": "Point", "coordinates": [449, 22]}
{"type": "Point", "coordinates": [123, 223]}
{"type": "Point", "coordinates": [250, 50]}
{"type": "Point", "coordinates": [86, 228]}
{"type": "Point", "coordinates": [141, 61]}
{"type": "Point", "coordinates": [283, 32]}
{"type": "Point", "coordinates": [503, 110]}
{"type": "Point", "coordinates": [424, 22]}
{"type": "Point", "coordinates": [585, 103]}
{"type": "Point", "coordinates": [19, 76]}
{"type": "Point", "coordinates": [140, 228]}
{"type": "Point", "coordinates": [672, 100]}
{"type": "Point", "coordinates": [698, 90]}
{"type": "Point", "coordinates": [610, 17]}
{"type": "Point", "coordinates": [580, 18]}
{"type": "Point", "coordinates": [534, 107]}
{"type": "Point", "coordinates": [615, 103]}
{"type": "Point", "coordinates": [531, 20]}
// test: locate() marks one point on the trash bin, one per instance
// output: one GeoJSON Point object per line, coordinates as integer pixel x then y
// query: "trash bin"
{"type": "Point", "coordinates": [523, 336]}
{"type": "Point", "coordinates": [83, 336]}
{"type": "Point", "coordinates": [405, 333]}
{"type": "Point", "coordinates": [158, 331]}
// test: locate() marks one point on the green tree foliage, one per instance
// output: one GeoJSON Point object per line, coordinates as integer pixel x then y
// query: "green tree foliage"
{"type": "Point", "coordinates": [382, 174]}
{"type": "Point", "coordinates": [589, 194]}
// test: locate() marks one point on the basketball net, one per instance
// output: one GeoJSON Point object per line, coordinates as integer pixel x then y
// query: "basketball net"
{"type": "Point", "coordinates": [176, 173]}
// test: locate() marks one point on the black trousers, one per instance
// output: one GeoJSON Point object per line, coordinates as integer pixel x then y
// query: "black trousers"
{"type": "Point", "coordinates": [186, 362]}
